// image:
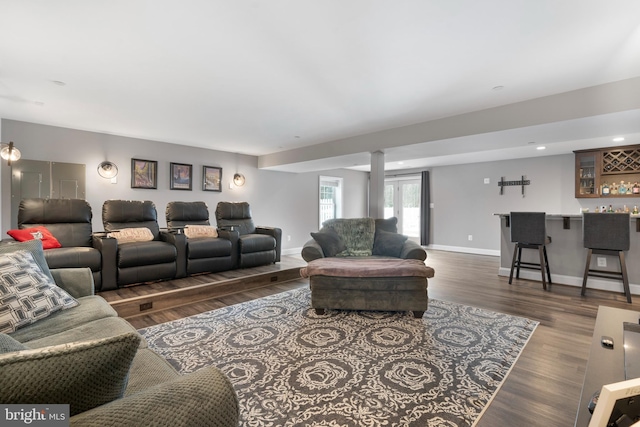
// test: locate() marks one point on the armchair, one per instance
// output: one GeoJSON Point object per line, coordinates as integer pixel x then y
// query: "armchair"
{"type": "Point", "coordinates": [202, 254]}
{"type": "Point", "coordinates": [257, 245]}
{"type": "Point", "coordinates": [144, 259]}
{"type": "Point", "coordinates": [69, 221]}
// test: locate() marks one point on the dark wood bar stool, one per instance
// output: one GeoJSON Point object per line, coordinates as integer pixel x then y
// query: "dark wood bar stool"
{"type": "Point", "coordinates": [529, 231]}
{"type": "Point", "coordinates": [606, 234]}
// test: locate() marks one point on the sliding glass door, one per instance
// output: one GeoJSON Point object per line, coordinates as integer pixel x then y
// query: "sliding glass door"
{"type": "Point", "coordinates": [402, 200]}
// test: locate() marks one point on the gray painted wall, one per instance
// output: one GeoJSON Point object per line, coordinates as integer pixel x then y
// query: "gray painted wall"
{"type": "Point", "coordinates": [464, 205]}
{"type": "Point", "coordinates": [285, 200]}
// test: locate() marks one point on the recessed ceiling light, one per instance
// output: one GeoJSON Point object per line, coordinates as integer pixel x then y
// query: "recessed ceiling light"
{"type": "Point", "coordinates": [618, 139]}
{"type": "Point", "coordinates": [58, 82]}
{"type": "Point", "coordinates": [542, 147]}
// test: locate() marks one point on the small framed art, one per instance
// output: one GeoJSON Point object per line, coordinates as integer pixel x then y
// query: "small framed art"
{"type": "Point", "coordinates": [181, 176]}
{"type": "Point", "coordinates": [211, 178]}
{"type": "Point", "coordinates": [144, 174]}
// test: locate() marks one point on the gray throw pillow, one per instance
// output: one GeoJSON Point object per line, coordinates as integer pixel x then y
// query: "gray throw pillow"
{"type": "Point", "coordinates": [28, 295]}
{"type": "Point", "coordinates": [329, 241]}
{"type": "Point", "coordinates": [82, 374]}
{"type": "Point", "coordinates": [388, 224]}
{"type": "Point", "coordinates": [8, 344]}
{"type": "Point", "coordinates": [32, 246]}
{"type": "Point", "coordinates": [388, 244]}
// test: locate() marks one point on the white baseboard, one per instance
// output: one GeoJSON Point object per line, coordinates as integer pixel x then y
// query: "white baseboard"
{"type": "Point", "coordinates": [463, 249]}
{"type": "Point", "coordinates": [593, 283]}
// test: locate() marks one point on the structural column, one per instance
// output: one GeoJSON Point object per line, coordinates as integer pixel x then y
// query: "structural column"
{"type": "Point", "coordinates": [376, 185]}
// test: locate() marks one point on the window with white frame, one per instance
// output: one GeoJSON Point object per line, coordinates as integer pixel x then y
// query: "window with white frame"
{"type": "Point", "coordinates": [330, 198]}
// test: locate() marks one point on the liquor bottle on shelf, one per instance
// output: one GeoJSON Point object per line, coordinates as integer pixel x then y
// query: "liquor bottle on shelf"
{"type": "Point", "coordinates": [625, 209]}
{"type": "Point", "coordinates": [635, 210]}
{"type": "Point", "coordinates": [605, 189]}
{"type": "Point", "coordinates": [622, 189]}
{"type": "Point", "coordinates": [614, 189]}
{"type": "Point", "coordinates": [636, 188]}
{"type": "Point", "coordinates": [610, 209]}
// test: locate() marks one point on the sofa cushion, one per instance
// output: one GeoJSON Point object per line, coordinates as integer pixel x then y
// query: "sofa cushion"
{"type": "Point", "coordinates": [90, 308]}
{"type": "Point", "coordinates": [82, 374]}
{"type": "Point", "coordinates": [147, 370]}
{"type": "Point", "coordinates": [101, 328]}
{"type": "Point", "coordinates": [39, 233]}
{"type": "Point", "coordinates": [356, 233]}
{"type": "Point", "coordinates": [27, 295]}
{"type": "Point", "coordinates": [388, 244]}
{"type": "Point", "coordinates": [207, 247]}
{"type": "Point", "coordinates": [8, 344]}
{"type": "Point", "coordinates": [34, 247]}
{"type": "Point", "coordinates": [250, 243]}
{"type": "Point", "coordinates": [136, 254]}
{"type": "Point", "coordinates": [193, 231]}
{"type": "Point", "coordinates": [74, 258]}
{"type": "Point", "coordinates": [329, 241]}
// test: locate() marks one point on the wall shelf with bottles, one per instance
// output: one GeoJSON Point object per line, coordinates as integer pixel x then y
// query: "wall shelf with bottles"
{"type": "Point", "coordinates": [608, 172]}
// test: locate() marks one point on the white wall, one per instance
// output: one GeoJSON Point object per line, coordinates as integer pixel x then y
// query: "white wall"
{"type": "Point", "coordinates": [285, 200]}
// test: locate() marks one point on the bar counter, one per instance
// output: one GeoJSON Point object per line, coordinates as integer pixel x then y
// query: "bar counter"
{"type": "Point", "coordinates": [567, 255]}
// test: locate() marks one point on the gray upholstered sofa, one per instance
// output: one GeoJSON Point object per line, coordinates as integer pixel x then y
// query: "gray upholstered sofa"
{"type": "Point", "coordinates": [369, 237]}
{"type": "Point", "coordinates": [97, 362]}
{"type": "Point", "coordinates": [364, 264]}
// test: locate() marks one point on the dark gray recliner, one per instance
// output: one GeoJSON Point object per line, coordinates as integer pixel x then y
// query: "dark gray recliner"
{"type": "Point", "coordinates": [69, 221]}
{"type": "Point", "coordinates": [257, 245]}
{"type": "Point", "coordinates": [203, 254]}
{"type": "Point", "coordinates": [139, 262]}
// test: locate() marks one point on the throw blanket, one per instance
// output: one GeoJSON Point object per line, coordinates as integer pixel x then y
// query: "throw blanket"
{"type": "Point", "coordinates": [367, 267]}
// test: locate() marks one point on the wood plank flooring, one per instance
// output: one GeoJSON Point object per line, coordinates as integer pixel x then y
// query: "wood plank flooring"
{"type": "Point", "coordinates": [544, 387]}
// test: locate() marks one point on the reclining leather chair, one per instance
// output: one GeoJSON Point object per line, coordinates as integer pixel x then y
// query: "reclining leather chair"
{"type": "Point", "coordinates": [202, 254]}
{"type": "Point", "coordinates": [141, 261]}
{"type": "Point", "coordinates": [257, 245]}
{"type": "Point", "coordinates": [69, 221]}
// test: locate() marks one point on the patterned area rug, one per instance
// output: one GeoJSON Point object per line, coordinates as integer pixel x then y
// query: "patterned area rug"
{"type": "Point", "coordinates": [290, 366]}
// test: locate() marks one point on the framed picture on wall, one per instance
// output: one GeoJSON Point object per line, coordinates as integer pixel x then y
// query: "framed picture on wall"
{"type": "Point", "coordinates": [211, 178]}
{"type": "Point", "coordinates": [144, 174]}
{"type": "Point", "coordinates": [181, 176]}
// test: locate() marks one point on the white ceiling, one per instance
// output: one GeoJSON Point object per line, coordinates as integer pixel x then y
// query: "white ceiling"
{"type": "Point", "coordinates": [272, 78]}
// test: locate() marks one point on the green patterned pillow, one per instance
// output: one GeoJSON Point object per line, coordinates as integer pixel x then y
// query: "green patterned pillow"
{"type": "Point", "coordinates": [356, 233]}
{"type": "Point", "coordinates": [82, 374]}
{"type": "Point", "coordinates": [28, 294]}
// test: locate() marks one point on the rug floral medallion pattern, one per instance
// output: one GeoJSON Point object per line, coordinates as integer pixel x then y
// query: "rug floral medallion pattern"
{"type": "Point", "coordinates": [291, 367]}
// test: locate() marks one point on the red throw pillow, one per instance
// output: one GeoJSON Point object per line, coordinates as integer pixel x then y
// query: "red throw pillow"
{"type": "Point", "coordinates": [39, 232]}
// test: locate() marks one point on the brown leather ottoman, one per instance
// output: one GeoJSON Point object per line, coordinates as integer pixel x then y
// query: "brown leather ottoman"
{"type": "Point", "coordinates": [379, 284]}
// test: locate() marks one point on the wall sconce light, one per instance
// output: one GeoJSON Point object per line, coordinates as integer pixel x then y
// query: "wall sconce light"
{"type": "Point", "coordinates": [107, 170]}
{"type": "Point", "coordinates": [9, 153]}
{"type": "Point", "coordinates": [238, 179]}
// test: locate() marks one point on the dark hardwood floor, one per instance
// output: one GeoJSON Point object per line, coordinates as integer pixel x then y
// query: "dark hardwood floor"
{"type": "Point", "coordinates": [544, 386]}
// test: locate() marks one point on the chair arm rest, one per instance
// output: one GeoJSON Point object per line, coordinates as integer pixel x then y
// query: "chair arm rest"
{"type": "Point", "coordinates": [412, 250]}
{"type": "Point", "coordinates": [203, 398]}
{"type": "Point", "coordinates": [78, 282]}
{"type": "Point", "coordinates": [179, 240]}
{"type": "Point", "coordinates": [312, 250]}
{"type": "Point", "coordinates": [276, 233]}
{"type": "Point", "coordinates": [108, 247]}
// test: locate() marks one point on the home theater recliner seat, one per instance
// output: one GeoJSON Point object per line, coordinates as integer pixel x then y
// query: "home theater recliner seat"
{"type": "Point", "coordinates": [257, 245]}
{"type": "Point", "coordinates": [147, 261]}
{"type": "Point", "coordinates": [69, 221]}
{"type": "Point", "coordinates": [202, 254]}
